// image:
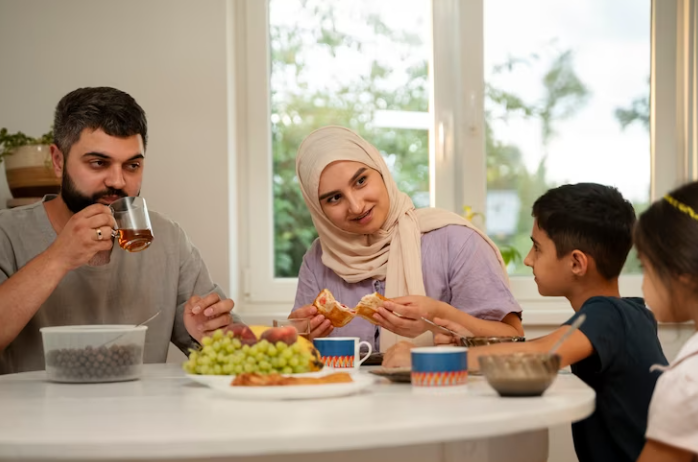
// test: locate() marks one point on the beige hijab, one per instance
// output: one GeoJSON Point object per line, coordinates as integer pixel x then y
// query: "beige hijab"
{"type": "Point", "coordinates": [394, 252]}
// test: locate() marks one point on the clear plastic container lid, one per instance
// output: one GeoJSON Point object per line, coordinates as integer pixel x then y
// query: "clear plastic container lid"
{"type": "Point", "coordinates": [96, 329]}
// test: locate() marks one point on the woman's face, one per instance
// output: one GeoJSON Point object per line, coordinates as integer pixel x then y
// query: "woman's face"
{"type": "Point", "coordinates": [354, 197]}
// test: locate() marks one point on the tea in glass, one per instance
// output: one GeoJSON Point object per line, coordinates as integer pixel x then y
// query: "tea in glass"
{"type": "Point", "coordinates": [133, 230]}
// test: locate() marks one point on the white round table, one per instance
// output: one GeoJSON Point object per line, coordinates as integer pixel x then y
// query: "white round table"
{"type": "Point", "coordinates": [165, 416]}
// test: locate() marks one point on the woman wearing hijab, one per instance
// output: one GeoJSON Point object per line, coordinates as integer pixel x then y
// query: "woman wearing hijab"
{"type": "Point", "coordinates": [372, 239]}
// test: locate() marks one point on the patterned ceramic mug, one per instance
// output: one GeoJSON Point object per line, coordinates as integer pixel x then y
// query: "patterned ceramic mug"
{"type": "Point", "coordinates": [439, 366]}
{"type": "Point", "coordinates": [341, 352]}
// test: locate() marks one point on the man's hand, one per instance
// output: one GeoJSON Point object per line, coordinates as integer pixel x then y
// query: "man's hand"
{"type": "Point", "coordinates": [399, 355]}
{"type": "Point", "coordinates": [202, 316]}
{"type": "Point", "coordinates": [320, 326]}
{"type": "Point", "coordinates": [87, 233]}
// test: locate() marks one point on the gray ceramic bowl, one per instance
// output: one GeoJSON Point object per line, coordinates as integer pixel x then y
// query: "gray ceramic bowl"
{"type": "Point", "coordinates": [471, 342]}
{"type": "Point", "coordinates": [520, 374]}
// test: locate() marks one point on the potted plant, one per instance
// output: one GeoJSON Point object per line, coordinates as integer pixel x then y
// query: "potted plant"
{"type": "Point", "coordinates": [28, 164]}
{"type": "Point", "coordinates": [510, 254]}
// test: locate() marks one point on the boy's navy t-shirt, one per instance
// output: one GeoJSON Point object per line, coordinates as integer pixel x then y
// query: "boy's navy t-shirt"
{"type": "Point", "coordinates": [623, 333]}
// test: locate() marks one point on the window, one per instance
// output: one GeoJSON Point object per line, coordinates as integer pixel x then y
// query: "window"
{"type": "Point", "coordinates": [473, 103]}
{"type": "Point", "coordinates": [359, 64]}
{"type": "Point", "coordinates": [562, 107]}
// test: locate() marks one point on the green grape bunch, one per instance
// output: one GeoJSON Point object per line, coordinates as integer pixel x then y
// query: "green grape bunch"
{"type": "Point", "coordinates": [224, 353]}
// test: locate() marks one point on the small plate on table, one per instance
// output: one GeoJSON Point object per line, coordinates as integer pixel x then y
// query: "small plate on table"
{"type": "Point", "coordinates": [374, 359]}
{"type": "Point", "coordinates": [223, 381]}
{"type": "Point", "coordinates": [394, 374]}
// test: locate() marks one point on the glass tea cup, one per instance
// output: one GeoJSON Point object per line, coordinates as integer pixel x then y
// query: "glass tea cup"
{"type": "Point", "coordinates": [302, 325]}
{"type": "Point", "coordinates": [133, 229]}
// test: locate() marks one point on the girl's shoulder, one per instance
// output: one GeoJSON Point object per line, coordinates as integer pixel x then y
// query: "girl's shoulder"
{"type": "Point", "coordinates": [686, 363]}
{"type": "Point", "coordinates": [680, 381]}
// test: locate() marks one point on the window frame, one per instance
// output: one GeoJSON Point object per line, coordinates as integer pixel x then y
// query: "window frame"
{"type": "Point", "coordinates": [456, 126]}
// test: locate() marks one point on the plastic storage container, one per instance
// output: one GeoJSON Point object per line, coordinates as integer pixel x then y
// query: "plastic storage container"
{"type": "Point", "coordinates": [90, 354]}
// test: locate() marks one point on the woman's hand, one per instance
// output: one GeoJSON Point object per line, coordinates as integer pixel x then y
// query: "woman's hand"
{"type": "Point", "coordinates": [417, 305]}
{"type": "Point", "coordinates": [403, 315]}
{"type": "Point", "coordinates": [398, 355]}
{"type": "Point", "coordinates": [447, 339]}
{"type": "Point", "coordinates": [320, 326]}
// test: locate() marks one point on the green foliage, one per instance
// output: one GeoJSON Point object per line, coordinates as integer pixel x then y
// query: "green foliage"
{"type": "Point", "coordinates": [10, 141]}
{"type": "Point", "coordinates": [563, 95]}
{"type": "Point", "coordinates": [301, 103]}
{"type": "Point", "coordinates": [510, 254]}
{"type": "Point", "coordinates": [299, 107]}
{"type": "Point", "coordinates": [638, 111]}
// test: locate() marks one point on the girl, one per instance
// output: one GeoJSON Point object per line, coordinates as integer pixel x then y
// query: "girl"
{"type": "Point", "coordinates": [666, 238]}
{"type": "Point", "coordinates": [371, 239]}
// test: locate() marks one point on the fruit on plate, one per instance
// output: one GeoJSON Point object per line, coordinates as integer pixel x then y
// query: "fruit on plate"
{"type": "Point", "coordinates": [243, 333]}
{"type": "Point", "coordinates": [253, 349]}
{"type": "Point", "coordinates": [288, 335]}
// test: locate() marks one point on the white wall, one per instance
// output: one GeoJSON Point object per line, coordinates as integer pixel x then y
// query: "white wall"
{"type": "Point", "coordinates": [170, 55]}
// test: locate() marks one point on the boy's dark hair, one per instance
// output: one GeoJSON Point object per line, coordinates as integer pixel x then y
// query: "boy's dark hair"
{"type": "Point", "coordinates": [667, 236]}
{"type": "Point", "coordinates": [109, 109]}
{"type": "Point", "coordinates": [589, 217]}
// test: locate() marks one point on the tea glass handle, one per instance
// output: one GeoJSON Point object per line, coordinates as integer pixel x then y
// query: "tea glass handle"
{"type": "Point", "coordinates": [370, 350]}
{"type": "Point", "coordinates": [115, 230]}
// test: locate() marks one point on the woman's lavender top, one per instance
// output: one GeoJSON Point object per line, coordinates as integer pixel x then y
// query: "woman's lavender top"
{"type": "Point", "coordinates": [459, 268]}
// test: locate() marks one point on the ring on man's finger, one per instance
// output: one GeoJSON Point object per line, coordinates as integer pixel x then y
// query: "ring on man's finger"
{"type": "Point", "coordinates": [99, 233]}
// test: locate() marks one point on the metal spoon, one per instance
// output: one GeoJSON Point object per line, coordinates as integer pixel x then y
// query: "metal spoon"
{"type": "Point", "coordinates": [443, 329]}
{"type": "Point", "coordinates": [128, 332]}
{"type": "Point", "coordinates": [574, 326]}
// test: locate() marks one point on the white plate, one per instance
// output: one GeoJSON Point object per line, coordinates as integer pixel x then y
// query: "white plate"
{"type": "Point", "coordinates": [225, 380]}
{"type": "Point", "coordinates": [222, 385]}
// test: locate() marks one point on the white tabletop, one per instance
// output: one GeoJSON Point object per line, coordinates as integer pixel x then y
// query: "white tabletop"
{"type": "Point", "coordinates": [164, 415]}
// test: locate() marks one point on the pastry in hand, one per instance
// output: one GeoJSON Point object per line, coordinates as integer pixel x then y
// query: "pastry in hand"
{"type": "Point", "coordinates": [368, 306]}
{"type": "Point", "coordinates": [338, 314]}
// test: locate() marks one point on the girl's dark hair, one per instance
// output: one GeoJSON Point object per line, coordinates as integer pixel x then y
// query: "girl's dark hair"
{"type": "Point", "coordinates": [666, 235]}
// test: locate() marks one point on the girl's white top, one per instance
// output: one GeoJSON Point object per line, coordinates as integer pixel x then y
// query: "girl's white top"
{"type": "Point", "coordinates": [673, 415]}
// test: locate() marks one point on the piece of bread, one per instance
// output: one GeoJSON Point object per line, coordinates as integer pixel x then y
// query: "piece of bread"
{"type": "Point", "coordinates": [368, 306]}
{"type": "Point", "coordinates": [338, 314]}
{"type": "Point", "coordinates": [277, 380]}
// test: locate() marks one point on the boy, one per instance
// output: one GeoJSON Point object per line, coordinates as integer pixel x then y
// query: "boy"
{"type": "Point", "coordinates": [581, 237]}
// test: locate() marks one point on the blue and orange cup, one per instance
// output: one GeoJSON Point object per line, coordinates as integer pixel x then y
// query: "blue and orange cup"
{"type": "Point", "coordinates": [439, 366]}
{"type": "Point", "coordinates": [341, 352]}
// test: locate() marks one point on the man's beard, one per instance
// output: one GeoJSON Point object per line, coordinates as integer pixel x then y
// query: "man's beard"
{"type": "Point", "coordinates": [76, 201]}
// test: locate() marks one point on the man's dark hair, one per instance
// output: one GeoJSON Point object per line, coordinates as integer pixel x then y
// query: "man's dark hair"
{"type": "Point", "coordinates": [109, 109]}
{"type": "Point", "coordinates": [589, 217]}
